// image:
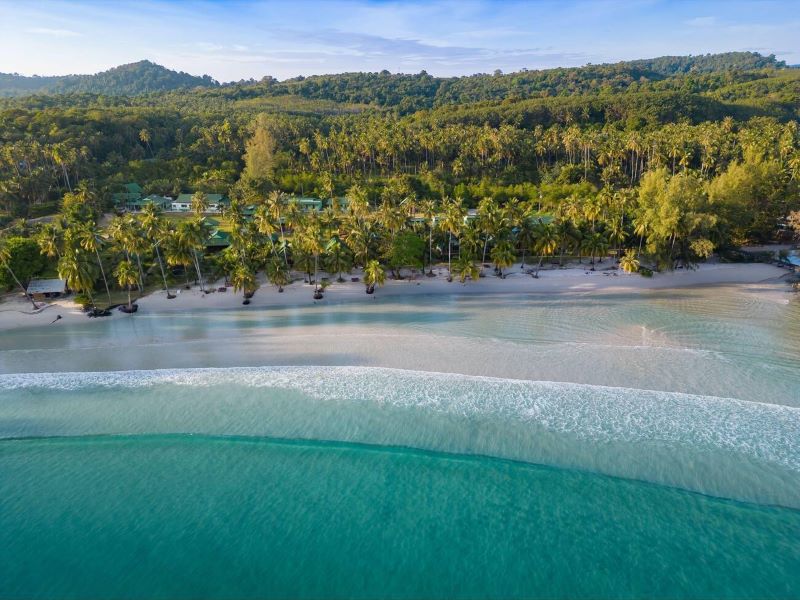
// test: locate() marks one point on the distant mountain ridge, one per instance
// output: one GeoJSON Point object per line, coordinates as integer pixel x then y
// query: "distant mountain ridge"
{"type": "Point", "coordinates": [388, 89]}
{"type": "Point", "coordinates": [133, 79]}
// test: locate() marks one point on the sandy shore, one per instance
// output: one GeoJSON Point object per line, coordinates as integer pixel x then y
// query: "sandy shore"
{"type": "Point", "coordinates": [15, 311]}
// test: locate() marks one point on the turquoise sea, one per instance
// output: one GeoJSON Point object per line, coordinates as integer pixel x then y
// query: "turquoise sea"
{"type": "Point", "coordinates": [595, 446]}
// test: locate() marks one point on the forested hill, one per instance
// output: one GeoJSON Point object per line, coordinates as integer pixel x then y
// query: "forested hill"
{"type": "Point", "coordinates": [405, 92]}
{"type": "Point", "coordinates": [126, 80]}
{"type": "Point", "coordinates": [409, 93]}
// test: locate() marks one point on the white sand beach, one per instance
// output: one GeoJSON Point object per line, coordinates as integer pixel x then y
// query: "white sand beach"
{"type": "Point", "coordinates": [16, 311]}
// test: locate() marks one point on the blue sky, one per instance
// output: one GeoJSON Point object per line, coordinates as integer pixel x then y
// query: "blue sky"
{"type": "Point", "coordinates": [240, 39]}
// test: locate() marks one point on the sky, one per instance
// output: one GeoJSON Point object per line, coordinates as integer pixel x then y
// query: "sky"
{"type": "Point", "coordinates": [250, 39]}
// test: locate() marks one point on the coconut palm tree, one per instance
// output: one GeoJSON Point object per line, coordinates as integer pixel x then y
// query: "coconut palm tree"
{"type": "Point", "coordinates": [276, 207]}
{"type": "Point", "coordinates": [127, 277]}
{"type": "Point", "coordinates": [338, 258]}
{"type": "Point", "coordinates": [5, 261]}
{"type": "Point", "coordinates": [452, 222]}
{"type": "Point", "coordinates": [595, 244]}
{"type": "Point", "coordinates": [154, 231]}
{"type": "Point", "coordinates": [77, 271]}
{"type": "Point", "coordinates": [199, 203]}
{"type": "Point", "coordinates": [629, 263]}
{"type": "Point", "coordinates": [265, 224]}
{"type": "Point", "coordinates": [428, 209]}
{"type": "Point", "coordinates": [466, 268]}
{"type": "Point", "coordinates": [195, 233]}
{"type": "Point", "coordinates": [90, 240]}
{"type": "Point", "coordinates": [374, 275]}
{"type": "Point", "coordinates": [178, 252]}
{"type": "Point", "coordinates": [243, 278]}
{"type": "Point", "coordinates": [546, 242]}
{"type": "Point", "coordinates": [277, 273]}
{"type": "Point", "coordinates": [309, 237]}
{"type": "Point", "coordinates": [50, 239]}
{"type": "Point", "coordinates": [503, 256]}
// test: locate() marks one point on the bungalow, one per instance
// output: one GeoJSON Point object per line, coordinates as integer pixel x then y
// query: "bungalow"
{"type": "Point", "coordinates": [39, 289]}
{"type": "Point", "coordinates": [307, 204]}
{"type": "Point", "coordinates": [218, 239]}
{"type": "Point", "coordinates": [132, 192]}
{"type": "Point", "coordinates": [216, 203]}
{"type": "Point", "coordinates": [160, 202]}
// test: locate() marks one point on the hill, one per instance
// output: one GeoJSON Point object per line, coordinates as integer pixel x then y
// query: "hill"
{"type": "Point", "coordinates": [141, 77]}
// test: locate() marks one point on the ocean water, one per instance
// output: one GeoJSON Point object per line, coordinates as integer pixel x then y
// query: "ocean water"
{"type": "Point", "coordinates": [612, 447]}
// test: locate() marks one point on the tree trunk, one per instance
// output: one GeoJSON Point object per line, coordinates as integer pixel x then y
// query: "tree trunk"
{"type": "Point", "coordinates": [24, 291]}
{"type": "Point", "coordinates": [161, 266]}
{"type": "Point", "coordinates": [199, 272]}
{"type": "Point", "coordinates": [103, 273]}
{"type": "Point", "coordinates": [449, 254]}
{"type": "Point", "coordinates": [141, 272]}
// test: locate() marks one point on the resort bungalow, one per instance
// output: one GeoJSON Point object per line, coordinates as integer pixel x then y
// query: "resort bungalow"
{"type": "Point", "coordinates": [307, 204]}
{"type": "Point", "coordinates": [219, 239]}
{"type": "Point", "coordinates": [216, 203]}
{"type": "Point", "coordinates": [39, 289]}
{"type": "Point", "coordinates": [161, 202]}
{"type": "Point", "coordinates": [132, 192]}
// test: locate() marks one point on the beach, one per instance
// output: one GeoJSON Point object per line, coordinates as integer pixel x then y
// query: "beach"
{"type": "Point", "coordinates": [16, 311]}
{"type": "Point", "coordinates": [546, 423]}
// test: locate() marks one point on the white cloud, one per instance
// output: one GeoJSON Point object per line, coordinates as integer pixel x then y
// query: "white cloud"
{"type": "Point", "coordinates": [53, 32]}
{"type": "Point", "coordinates": [702, 22]}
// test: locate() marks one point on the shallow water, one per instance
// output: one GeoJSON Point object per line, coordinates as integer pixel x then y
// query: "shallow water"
{"type": "Point", "coordinates": [625, 447]}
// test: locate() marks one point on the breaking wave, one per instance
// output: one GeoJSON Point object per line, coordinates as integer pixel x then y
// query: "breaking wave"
{"type": "Point", "coordinates": [719, 446]}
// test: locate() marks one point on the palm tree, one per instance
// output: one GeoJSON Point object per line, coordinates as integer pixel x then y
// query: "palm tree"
{"type": "Point", "coordinates": [310, 238]}
{"type": "Point", "coordinates": [199, 203]}
{"type": "Point", "coordinates": [265, 224]}
{"type": "Point", "coordinates": [178, 252]}
{"type": "Point", "coordinates": [5, 260]}
{"type": "Point", "coordinates": [465, 268]}
{"type": "Point", "coordinates": [428, 210]}
{"type": "Point", "coordinates": [49, 240]}
{"type": "Point", "coordinates": [243, 278]}
{"type": "Point", "coordinates": [374, 275]}
{"type": "Point", "coordinates": [144, 136]}
{"type": "Point", "coordinates": [338, 258]}
{"type": "Point", "coordinates": [546, 242]}
{"type": "Point", "coordinates": [596, 245]}
{"type": "Point", "coordinates": [452, 222]}
{"type": "Point", "coordinates": [91, 241]}
{"type": "Point", "coordinates": [503, 256]}
{"type": "Point", "coordinates": [195, 234]}
{"type": "Point", "coordinates": [77, 272]}
{"type": "Point", "coordinates": [154, 230]}
{"type": "Point", "coordinates": [629, 263]}
{"type": "Point", "coordinates": [276, 205]}
{"type": "Point", "coordinates": [277, 273]}
{"type": "Point", "coordinates": [126, 278]}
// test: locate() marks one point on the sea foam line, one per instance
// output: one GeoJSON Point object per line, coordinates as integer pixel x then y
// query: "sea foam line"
{"type": "Point", "coordinates": [591, 411]}
{"type": "Point", "coordinates": [719, 446]}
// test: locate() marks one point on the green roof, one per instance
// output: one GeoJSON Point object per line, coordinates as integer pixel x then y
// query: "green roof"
{"type": "Point", "coordinates": [210, 198]}
{"type": "Point", "coordinates": [218, 239]}
{"type": "Point", "coordinates": [133, 188]}
{"type": "Point", "coordinates": [307, 202]}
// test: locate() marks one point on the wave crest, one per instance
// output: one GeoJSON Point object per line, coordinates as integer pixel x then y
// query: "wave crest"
{"type": "Point", "coordinates": [727, 447]}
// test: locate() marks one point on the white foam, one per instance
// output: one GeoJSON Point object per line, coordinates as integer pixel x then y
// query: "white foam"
{"type": "Point", "coordinates": [724, 446]}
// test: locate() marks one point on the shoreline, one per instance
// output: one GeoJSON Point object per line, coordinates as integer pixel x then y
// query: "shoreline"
{"type": "Point", "coordinates": [16, 312]}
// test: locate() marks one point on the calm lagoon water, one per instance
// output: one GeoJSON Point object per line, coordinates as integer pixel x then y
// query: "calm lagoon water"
{"type": "Point", "coordinates": [600, 446]}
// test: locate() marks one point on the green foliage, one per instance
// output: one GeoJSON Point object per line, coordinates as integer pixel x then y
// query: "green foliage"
{"type": "Point", "coordinates": [22, 256]}
{"type": "Point", "coordinates": [136, 78]}
{"type": "Point", "coordinates": [406, 250]}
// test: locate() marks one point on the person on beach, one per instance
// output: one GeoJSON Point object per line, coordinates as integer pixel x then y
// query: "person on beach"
{"type": "Point", "coordinates": [56, 319]}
